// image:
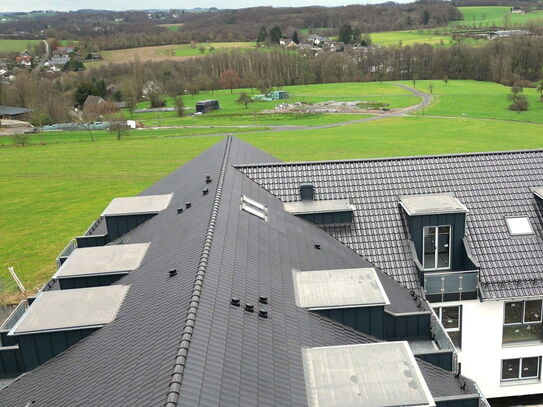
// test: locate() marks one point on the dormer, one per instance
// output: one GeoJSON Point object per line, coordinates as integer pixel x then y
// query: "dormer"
{"type": "Point", "coordinates": [121, 216]}
{"type": "Point", "coordinates": [437, 228]}
{"type": "Point", "coordinates": [99, 266]}
{"type": "Point", "coordinates": [325, 212]}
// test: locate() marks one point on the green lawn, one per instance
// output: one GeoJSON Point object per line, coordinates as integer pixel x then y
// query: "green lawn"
{"type": "Point", "coordinates": [478, 99]}
{"type": "Point", "coordinates": [399, 136]}
{"type": "Point", "coordinates": [389, 38]}
{"type": "Point", "coordinates": [100, 136]}
{"type": "Point", "coordinates": [493, 16]}
{"type": "Point", "coordinates": [233, 113]}
{"type": "Point", "coordinates": [16, 45]}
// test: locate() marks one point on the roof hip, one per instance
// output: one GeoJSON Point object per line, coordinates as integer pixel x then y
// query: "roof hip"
{"type": "Point", "coordinates": [182, 351]}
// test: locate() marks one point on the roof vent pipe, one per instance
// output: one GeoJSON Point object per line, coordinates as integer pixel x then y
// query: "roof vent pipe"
{"type": "Point", "coordinates": [307, 192]}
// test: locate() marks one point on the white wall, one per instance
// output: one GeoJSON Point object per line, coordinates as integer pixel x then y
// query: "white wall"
{"type": "Point", "coordinates": [482, 350]}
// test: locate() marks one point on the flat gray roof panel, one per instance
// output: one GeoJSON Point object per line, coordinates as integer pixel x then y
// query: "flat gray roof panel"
{"type": "Point", "coordinates": [135, 205]}
{"type": "Point", "coordinates": [370, 375]}
{"type": "Point", "coordinates": [80, 308]}
{"type": "Point", "coordinates": [114, 259]}
{"type": "Point", "coordinates": [323, 206]}
{"type": "Point", "coordinates": [538, 191]}
{"type": "Point", "coordinates": [343, 288]}
{"type": "Point", "coordinates": [431, 204]}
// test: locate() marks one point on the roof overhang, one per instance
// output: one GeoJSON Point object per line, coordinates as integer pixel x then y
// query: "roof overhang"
{"type": "Point", "coordinates": [137, 205]}
{"type": "Point", "coordinates": [431, 204]}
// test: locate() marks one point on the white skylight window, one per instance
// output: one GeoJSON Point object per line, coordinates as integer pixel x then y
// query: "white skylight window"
{"type": "Point", "coordinates": [519, 225]}
{"type": "Point", "coordinates": [254, 208]}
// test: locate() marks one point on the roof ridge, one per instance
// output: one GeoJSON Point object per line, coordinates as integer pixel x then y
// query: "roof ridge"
{"type": "Point", "coordinates": [397, 158]}
{"type": "Point", "coordinates": [182, 351]}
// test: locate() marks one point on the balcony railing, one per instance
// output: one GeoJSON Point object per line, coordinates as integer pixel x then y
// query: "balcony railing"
{"type": "Point", "coordinates": [450, 282]}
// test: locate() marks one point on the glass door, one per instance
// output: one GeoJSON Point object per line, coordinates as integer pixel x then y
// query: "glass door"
{"type": "Point", "coordinates": [436, 247]}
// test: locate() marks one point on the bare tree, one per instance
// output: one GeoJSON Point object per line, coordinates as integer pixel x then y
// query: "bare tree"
{"type": "Point", "coordinates": [230, 79]}
{"type": "Point", "coordinates": [244, 99]}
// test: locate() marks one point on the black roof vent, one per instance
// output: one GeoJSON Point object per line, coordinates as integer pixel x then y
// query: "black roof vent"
{"type": "Point", "coordinates": [179, 210]}
{"type": "Point", "coordinates": [188, 205]}
{"type": "Point", "coordinates": [317, 246]}
{"type": "Point", "coordinates": [235, 301]}
{"type": "Point", "coordinates": [263, 300]}
{"type": "Point", "coordinates": [249, 307]}
{"type": "Point", "coordinates": [205, 191]}
{"type": "Point", "coordinates": [263, 313]}
{"type": "Point", "coordinates": [172, 272]}
{"type": "Point", "coordinates": [307, 191]}
{"type": "Point", "coordinates": [208, 178]}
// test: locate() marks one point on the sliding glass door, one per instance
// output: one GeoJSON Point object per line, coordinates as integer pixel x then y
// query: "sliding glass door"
{"type": "Point", "coordinates": [436, 248]}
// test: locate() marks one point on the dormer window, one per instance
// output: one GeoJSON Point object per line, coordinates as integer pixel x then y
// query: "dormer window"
{"type": "Point", "coordinates": [519, 226]}
{"type": "Point", "coordinates": [437, 247]}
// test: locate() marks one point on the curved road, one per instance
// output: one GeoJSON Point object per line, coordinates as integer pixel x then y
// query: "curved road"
{"type": "Point", "coordinates": [426, 100]}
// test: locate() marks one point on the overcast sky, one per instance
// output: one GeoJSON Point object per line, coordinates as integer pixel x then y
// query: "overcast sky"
{"type": "Point", "coordinates": [29, 5]}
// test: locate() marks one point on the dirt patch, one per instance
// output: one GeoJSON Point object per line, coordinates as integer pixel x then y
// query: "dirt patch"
{"type": "Point", "coordinates": [332, 107]}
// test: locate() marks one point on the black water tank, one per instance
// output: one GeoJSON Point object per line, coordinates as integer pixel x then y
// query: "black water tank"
{"type": "Point", "coordinates": [307, 191]}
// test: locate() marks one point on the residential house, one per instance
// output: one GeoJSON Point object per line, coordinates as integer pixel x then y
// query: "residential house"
{"type": "Point", "coordinates": [24, 59]}
{"type": "Point", "coordinates": [13, 113]}
{"type": "Point", "coordinates": [210, 289]}
{"type": "Point", "coordinates": [59, 61]}
{"type": "Point", "coordinates": [92, 101]}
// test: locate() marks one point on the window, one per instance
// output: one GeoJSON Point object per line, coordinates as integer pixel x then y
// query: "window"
{"type": "Point", "coordinates": [522, 321]}
{"type": "Point", "coordinates": [451, 319]}
{"type": "Point", "coordinates": [519, 226]}
{"type": "Point", "coordinates": [521, 369]}
{"type": "Point", "coordinates": [253, 207]}
{"type": "Point", "coordinates": [437, 247]}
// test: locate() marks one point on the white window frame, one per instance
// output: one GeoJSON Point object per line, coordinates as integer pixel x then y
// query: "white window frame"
{"type": "Point", "coordinates": [435, 248]}
{"type": "Point", "coordinates": [519, 376]}
{"type": "Point", "coordinates": [439, 313]}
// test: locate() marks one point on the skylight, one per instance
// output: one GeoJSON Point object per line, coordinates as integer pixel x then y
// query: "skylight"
{"type": "Point", "coordinates": [253, 207]}
{"type": "Point", "coordinates": [519, 225]}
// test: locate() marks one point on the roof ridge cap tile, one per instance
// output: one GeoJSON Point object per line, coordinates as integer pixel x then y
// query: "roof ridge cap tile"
{"type": "Point", "coordinates": [174, 389]}
{"type": "Point", "coordinates": [392, 158]}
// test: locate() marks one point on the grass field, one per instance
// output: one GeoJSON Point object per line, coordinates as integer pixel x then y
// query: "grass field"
{"type": "Point", "coordinates": [389, 38]}
{"type": "Point", "coordinates": [478, 99]}
{"type": "Point", "coordinates": [7, 46]}
{"type": "Point", "coordinates": [493, 16]}
{"type": "Point", "coordinates": [171, 27]}
{"type": "Point", "coordinates": [232, 113]}
{"type": "Point", "coordinates": [51, 192]}
{"type": "Point", "coordinates": [100, 136]}
{"type": "Point", "coordinates": [164, 52]}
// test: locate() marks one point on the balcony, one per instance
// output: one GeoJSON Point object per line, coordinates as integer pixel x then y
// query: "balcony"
{"type": "Point", "coordinates": [450, 285]}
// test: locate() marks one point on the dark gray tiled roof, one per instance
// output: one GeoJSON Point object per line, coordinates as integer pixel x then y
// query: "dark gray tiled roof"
{"type": "Point", "coordinates": [491, 185]}
{"type": "Point", "coordinates": [177, 341]}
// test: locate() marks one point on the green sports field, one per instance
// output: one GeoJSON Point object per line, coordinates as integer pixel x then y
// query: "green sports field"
{"type": "Point", "coordinates": [53, 189]}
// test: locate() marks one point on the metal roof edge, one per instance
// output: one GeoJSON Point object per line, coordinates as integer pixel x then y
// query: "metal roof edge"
{"type": "Point", "coordinates": [392, 158]}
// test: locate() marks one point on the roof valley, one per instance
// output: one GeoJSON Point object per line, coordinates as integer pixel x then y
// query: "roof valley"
{"type": "Point", "coordinates": [174, 389]}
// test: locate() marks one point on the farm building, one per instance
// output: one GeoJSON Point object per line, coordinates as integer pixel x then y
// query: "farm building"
{"type": "Point", "coordinates": [275, 95]}
{"type": "Point", "coordinates": [205, 106]}
{"type": "Point", "coordinates": [212, 288]}
{"type": "Point", "coordinates": [10, 112]}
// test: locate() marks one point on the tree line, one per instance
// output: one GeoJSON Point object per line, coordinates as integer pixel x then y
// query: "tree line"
{"type": "Point", "coordinates": [507, 61]}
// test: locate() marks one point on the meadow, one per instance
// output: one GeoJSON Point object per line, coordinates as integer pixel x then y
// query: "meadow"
{"type": "Point", "coordinates": [7, 46]}
{"type": "Point", "coordinates": [474, 99]}
{"type": "Point", "coordinates": [232, 113]}
{"type": "Point", "coordinates": [54, 188]}
{"type": "Point", "coordinates": [404, 38]}
{"type": "Point", "coordinates": [165, 52]}
{"type": "Point", "coordinates": [493, 16]}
